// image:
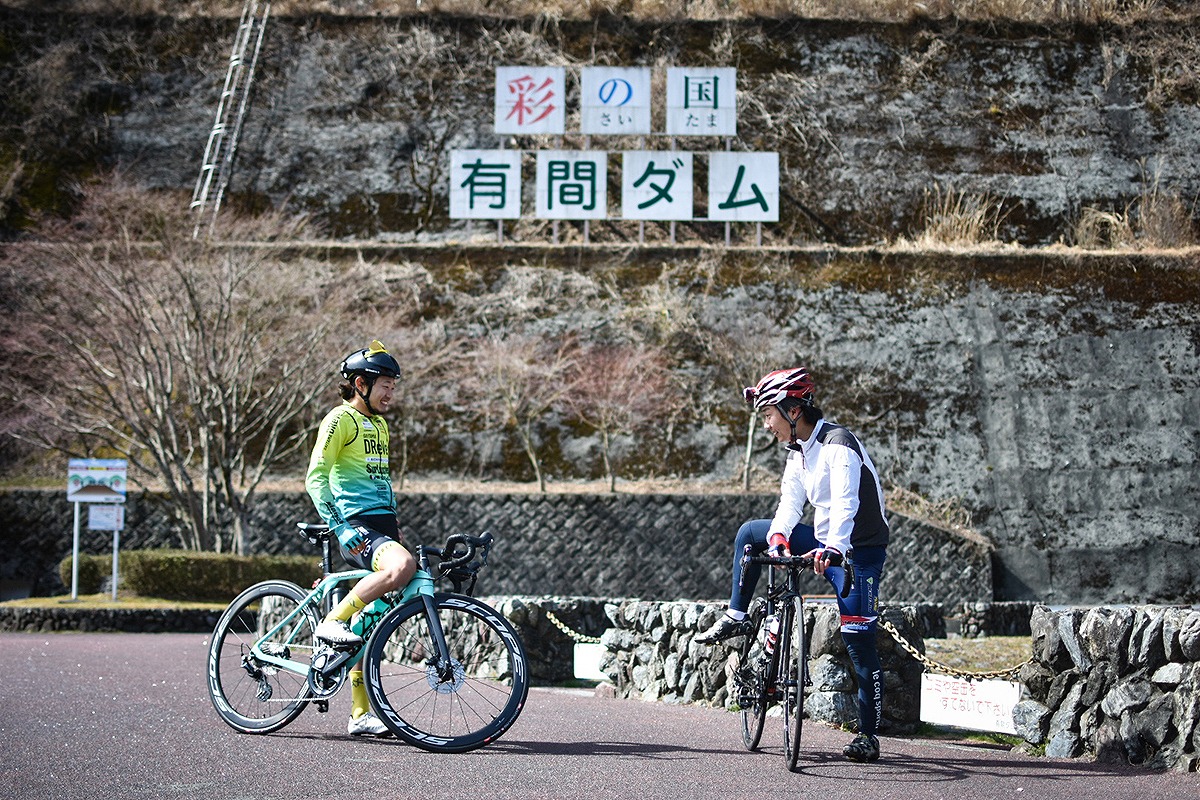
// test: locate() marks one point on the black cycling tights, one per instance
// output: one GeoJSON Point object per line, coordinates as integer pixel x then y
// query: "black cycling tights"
{"type": "Point", "coordinates": [870, 679]}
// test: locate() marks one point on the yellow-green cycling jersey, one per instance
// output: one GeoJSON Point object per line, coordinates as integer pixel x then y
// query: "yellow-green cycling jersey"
{"type": "Point", "coordinates": [348, 473]}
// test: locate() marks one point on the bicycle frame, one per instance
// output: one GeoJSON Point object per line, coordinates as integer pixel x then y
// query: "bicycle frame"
{"type": "Point", "coordinates": [779, 595]}
{"type": "Point", "coordinates": [780, 676]}
{"type": "Point", "coordinates": [421, 585]}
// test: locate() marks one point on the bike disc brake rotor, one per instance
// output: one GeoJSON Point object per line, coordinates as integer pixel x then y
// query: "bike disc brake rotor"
{"type": "Point", "coordinates": [457, 677]}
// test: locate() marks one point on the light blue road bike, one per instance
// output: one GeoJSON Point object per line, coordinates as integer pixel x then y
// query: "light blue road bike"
{"type": "Point", "coordinates": [443, 670]}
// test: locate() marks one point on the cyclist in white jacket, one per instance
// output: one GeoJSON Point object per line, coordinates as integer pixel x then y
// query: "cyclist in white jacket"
{"type": "Point", "coordinates": [828, 467]}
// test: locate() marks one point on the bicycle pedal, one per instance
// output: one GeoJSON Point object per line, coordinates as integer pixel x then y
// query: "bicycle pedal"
{"type": "Point", "coordinates": [322, 706]}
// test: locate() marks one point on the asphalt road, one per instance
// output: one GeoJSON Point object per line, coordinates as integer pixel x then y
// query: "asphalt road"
{"type": "Point", "coordinates": [128, 716]}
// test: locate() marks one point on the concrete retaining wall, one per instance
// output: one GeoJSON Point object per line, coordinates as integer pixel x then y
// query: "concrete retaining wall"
{"type": "Point", "coordinates": [608, 545]}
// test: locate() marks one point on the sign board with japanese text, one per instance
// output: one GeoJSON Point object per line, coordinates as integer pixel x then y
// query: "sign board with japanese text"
{"type": "Point", "coordinates": [530, 100]}
{"type": "Point", "coordinates": [485, 184]}
{"type": "Point", "coordinates": [572, 184]}
{"type": "Point", "coordinates": [106, 517]}
{"type": "Point", "coordinates": [702, 101]}
{"type": "Point", "coordinates": [974, 705]}
{"type": "Point", "coordinates": [743, 187]}
{"type": "Point", "coordinates": [615, 100]}
{"type": "Point", "coordinates": [656, 185]}
{"type": "Point", "coordinates": [96, 480]}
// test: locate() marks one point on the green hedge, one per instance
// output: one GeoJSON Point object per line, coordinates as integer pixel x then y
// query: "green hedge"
{"type": "Point", "coordinates": [190, 575]}
{"type": "Point", "coordinates": [92, 572]}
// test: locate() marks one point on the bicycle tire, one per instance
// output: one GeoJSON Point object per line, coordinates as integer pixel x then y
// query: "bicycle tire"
{"type": "Point", "coordinates": [475, 704]}
{"type": "Point", "coordinates": [250, 695]}
{"type": "Point", "coordinates": [792, 664]}
{"type": "Point", "coordinates": [752, 697]}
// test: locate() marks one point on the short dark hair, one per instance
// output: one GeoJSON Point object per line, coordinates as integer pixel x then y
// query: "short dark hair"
{"type": "Point", "coordinates": [811, 413]}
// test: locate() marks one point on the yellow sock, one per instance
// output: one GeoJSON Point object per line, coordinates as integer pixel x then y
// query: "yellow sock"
{"type": "Point", "coordinates": [359, 704]}
{"type": "Point", "coordinates": [346, 609]}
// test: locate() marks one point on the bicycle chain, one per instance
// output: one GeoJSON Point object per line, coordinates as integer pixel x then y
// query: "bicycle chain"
{"type": "Point", "coordinates": [576, 635]}
{"type": "Point", "coordinates": [1011, 672]}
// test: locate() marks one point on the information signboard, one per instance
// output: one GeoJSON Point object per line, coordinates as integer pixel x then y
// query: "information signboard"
{"type": "Point", "coordinates": [974, 705]}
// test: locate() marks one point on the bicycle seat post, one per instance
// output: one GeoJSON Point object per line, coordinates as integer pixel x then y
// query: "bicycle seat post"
{"type": "Point", "coordinates": [339, 592]}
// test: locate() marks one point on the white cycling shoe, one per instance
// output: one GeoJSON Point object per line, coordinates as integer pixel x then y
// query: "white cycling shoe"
{"type": "Point", "coordinates": [367, 725]}
{"type": "Point", "coordinates": [336, 632]}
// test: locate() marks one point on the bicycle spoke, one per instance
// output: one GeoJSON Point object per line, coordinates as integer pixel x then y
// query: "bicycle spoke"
{"type": "Point", "coordinates": [452, 706]}
{"type": "Point", "coordinates": [250, 692]}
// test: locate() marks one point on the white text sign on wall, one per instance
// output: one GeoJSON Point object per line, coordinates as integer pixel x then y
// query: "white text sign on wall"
{"type": "Point", "coordinates": [572, 184]}
{"type": "Point", "coordinates": [615, 100]}
{"type": "Point", "coordinates": [702, 101]}
{"type": "Point", "coordinates": [656, 185]}
{"type": "Point", "coordinates": [530, 100]}
{"type": "Point", "coordinates": [743, 187]}
{"type": "Point", "coordinates": [485, 184]}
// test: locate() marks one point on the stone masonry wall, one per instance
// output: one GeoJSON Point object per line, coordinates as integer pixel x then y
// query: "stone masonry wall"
{"type": "Point", "coordinates": [1117, 684]}
{"type": "Point", "coordinates": [653, 655]}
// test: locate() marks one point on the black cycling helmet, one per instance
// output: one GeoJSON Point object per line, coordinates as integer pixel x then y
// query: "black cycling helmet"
{"type": "Point", "coordinates": [374, 362]}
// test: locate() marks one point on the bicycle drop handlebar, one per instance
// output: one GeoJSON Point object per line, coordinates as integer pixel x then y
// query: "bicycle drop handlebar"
{"type": "Point", "coordinates": [459, 549]}
{"type": "Point", "coordinates": [455, 558]}
{"type": "Point", "coordinates": [798, 563]}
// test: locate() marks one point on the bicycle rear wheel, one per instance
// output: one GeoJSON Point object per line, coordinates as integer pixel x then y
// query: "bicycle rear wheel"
{"type": "Point", "coordinates": [750, 680]}
{"type": "Point", "coordinates": [252, 693]}
{"type": "Point", "coordinates": [467, 703]}
{"type": "Point", "coordinates": [792, 664]}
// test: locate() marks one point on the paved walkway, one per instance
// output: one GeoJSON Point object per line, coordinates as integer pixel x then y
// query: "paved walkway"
{"type": "Point", "coordinates": [127, 716]}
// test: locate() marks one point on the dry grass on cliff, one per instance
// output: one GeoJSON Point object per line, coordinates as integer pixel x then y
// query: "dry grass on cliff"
{"type": "Point", "coordinates": [1028, 11]}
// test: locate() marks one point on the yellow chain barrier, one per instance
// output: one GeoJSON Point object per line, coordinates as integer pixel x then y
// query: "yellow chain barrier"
{"type": "Point", "coordinates": [576, 635]}
{"type": "Point", "coordinates": [933, 666]}
{"type": "Point", "coordinates": [930, 664]}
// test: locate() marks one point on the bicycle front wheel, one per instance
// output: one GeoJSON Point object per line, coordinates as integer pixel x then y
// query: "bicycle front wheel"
{"type": "Point", "coordinates": [750, 682]}
{"type": "Point", "coordinates": [451, 707]}
{"type": "Point", "coordinates": [793, 665]}
{"type": "Point", "coordinates": [258, 658]}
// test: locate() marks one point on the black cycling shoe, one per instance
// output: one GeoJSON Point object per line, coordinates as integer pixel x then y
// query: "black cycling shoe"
{"type": "Point", "coordinates": [724, 628]}
{"type": "Point", "coordinates": [863, 749]}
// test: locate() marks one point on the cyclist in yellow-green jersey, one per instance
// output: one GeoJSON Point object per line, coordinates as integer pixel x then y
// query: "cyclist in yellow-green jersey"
{"type": "Point", "coordinates": [351, 486]}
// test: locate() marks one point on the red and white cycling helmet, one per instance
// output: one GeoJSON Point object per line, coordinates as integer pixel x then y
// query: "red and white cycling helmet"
{"type": "Point", "coordinates": [777, 386]}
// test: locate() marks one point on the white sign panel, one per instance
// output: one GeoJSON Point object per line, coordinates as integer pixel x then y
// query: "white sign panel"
{"type": "Point", "coordinates": [974, 705]}
{"type": "Point", "coordinates": [106, 517]}
{"type": "Point", "coordinates": [530, 100]}
{"type": "Point", "coordinates": [615, 100]}
{"type": "Point", "coordinates": [96, 480]}
{"type": "Point", "coordinates": [572, 184]}
{"type": "Point", "coordinates": [702, 101]}
{"type": "Point", "coordinates": [485, 184]}
{"type": "Point", "coordinates": [743, 187]}
{"type": "Point", "coordinates": [656, 184]}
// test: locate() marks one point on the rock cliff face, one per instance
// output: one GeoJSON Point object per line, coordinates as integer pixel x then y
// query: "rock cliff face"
{"type": "Point", "coordinates": [353, 118]}
{"type": "Point", "coordinates": [1054, 395]}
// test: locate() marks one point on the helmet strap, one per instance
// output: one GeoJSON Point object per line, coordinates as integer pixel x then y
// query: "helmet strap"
{"type": "Point", "coordinates": [366, 398]}
{"type": "Point", "coordinates": [792, 421]}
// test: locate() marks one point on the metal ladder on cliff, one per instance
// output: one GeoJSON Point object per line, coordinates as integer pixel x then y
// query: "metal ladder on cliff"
{"type": "Point", "coordinates": [217, 167]}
